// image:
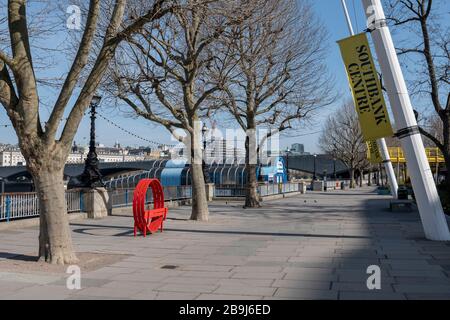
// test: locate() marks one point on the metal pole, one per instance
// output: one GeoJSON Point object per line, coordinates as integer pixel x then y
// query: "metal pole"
{"type": "Point", "coordinates": [314, 177]}
{"type": "Point", "coordinates": [437, 168]}
{"type": "Point", "coordinates": [430, 208]}
{"type": "Point", "coordinates": [334, 168]}
{"type": "Point", "coordinates": [2, 186]}
{"type": "Point", "coordinates": [381, 142]}
{"type": "Point", "coordinates": [347, 17]}
{"type": "Point", "coordinates": [388, 167]}
{"type": "Point", "coordinates": [287, 166]}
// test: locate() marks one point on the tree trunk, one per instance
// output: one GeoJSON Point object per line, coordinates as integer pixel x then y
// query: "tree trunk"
{"type": "Point", "coordinates": [55, 240]}
{"type": "Point", "coordinates": [200, 211]}
{"type": "Point", "coordinates": [251, 194]}
{"type": "Point", "coordinates": [361, 178]}
{"type": "Point", "coordinates": [352, 178]}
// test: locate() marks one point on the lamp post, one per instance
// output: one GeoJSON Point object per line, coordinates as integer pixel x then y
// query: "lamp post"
{"type": "Point", "coordinates": [334, 169]}
{"type": "Point", "coordinates": [205, 131]}
{"type": "Point", "coordinates": [315, 167]}
{"type": "Point", "coordinates": [288, 150]}
{"type": "Point", "coordinates": [91, 176]}
{"type": "Point", "coordinates": [2, 185]}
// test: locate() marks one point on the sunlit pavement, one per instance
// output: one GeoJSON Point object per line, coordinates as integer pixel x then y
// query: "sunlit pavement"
{"type": "Point", "coordinates": [314, 246]}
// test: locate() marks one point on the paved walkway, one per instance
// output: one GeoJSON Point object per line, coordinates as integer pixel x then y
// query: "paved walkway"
{"type": "Point", "coordinates": [314, 246]}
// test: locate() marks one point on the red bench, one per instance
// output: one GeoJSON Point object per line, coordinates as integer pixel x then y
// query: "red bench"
{"type": "Point", "coordinates": [148, 221]}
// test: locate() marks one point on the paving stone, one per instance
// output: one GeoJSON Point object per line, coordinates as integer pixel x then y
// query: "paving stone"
{"type": "Point", "coordinates": [245, 290]}
{"type": "Point", "coordinates": [417, 273]}
{"type": "Point", "coordinates": [176, 296]}
{"type": "Point", "coordinates": [306, 294]}
{"type": "Point", "coordinates": [257, 269]}
{"type": "Point", "coordinates": [360, 286]}
{"type": "Point", "coordinates": [226, 297]}
{"type": "Point", "coordinates": [421, 280]}
{"type": "Point", "coordinates": [302, 284]}
{"type": "Point", "coordinates": [109, 292]}
{"type": "Point", "coordinates": [247, 282]}
{"type": "Point", "coordinates": [47, 292]}
{"type": "Point", "coordinates": [180, 287]}
{"type": "Point", "coordinates": [428, 296]}
{"type": "Point", "coordinates": [258, 275]}
{"type": "Point", "coordinates": [85, 283]}
{"type": "Point", "coordinates": [422, 288]}
{"type": "Point", "coordinates": [370, 295]}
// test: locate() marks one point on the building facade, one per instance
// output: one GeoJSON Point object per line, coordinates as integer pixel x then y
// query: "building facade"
{"type": "Point", "coordinates": [11, 156]}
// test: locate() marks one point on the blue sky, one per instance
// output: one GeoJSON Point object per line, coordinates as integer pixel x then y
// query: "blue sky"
{"type": "Point", "coordinates": [331, 14]}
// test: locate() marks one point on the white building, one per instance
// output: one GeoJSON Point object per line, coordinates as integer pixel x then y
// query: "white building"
{"type": "Point", "coordinates": [11, 157]}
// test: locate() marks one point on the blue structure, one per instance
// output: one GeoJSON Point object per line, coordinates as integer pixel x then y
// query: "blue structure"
{"type": "Point", "coordinates": [178, 173]}
{"type": "Point", "coordinates": [276, 172]}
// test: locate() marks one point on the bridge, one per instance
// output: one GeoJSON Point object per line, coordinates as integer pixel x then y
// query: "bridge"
{"type": "Point", "coordinates": [107, 169]}
{"type": "Point", "coordinates": [304, 163]}
{"type": "Point", "coordinates": [324, 164]}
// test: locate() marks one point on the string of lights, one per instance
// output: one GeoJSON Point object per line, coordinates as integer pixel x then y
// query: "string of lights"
{"type": "Point", "coordinates": [133, 134]}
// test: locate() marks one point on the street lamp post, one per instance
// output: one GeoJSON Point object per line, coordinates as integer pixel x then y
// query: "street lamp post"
{"type": "Point", "coordinates": [91, 176]}
{"type": "Point", "coordinates": [2, 185]}
{"type": "Point", "coordinates": [287, 164]}
{"type": "Point", "coordinates": [315, 167]}
{"type": "Point", "coordinates": [204, 166]}
{"type": "Point", "coordinates": [334, 169]}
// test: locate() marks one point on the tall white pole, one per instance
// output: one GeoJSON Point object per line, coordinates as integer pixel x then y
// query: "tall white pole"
{"type": "Point", "coordinates": [381, 142]}
{"type": "Point", "coordinates": [430, 208]}
{"type": "Point", "coordinates": [388, 166]}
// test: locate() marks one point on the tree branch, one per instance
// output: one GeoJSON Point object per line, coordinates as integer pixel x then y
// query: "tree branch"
{"type": "Point", "coordinates": [435, 140]}
{"type": "Point", "coordinates": [78, 65]}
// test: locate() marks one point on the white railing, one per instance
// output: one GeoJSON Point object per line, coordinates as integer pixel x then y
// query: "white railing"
{"type": "Point", "coordinates": [26, 205]}
{"type": "Point", "coordinates": [274, 189]}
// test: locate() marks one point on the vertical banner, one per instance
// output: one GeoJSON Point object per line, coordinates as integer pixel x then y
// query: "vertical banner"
{"type": "Point", "coordinates": [373, 152]}
{"type": "Point", "coordinates": [366, 87]}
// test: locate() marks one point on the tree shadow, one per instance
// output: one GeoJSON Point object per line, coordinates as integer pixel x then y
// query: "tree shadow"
{"type": "Point", "coordinates": [18, 257]}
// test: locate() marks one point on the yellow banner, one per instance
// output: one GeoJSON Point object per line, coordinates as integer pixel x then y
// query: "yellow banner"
{"type": "Point", "coordinates": [373, 152]}
{"type": "Point", "coordinates": [366, 87]}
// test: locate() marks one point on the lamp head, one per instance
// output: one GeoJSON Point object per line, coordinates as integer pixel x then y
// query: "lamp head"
{"type": "Point", "coordinates": [96, 100]}
{"type": "Point", "coordinates": [205, 129]}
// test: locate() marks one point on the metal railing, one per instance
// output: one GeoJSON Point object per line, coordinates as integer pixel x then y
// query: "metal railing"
{"type": "Point", "coordinates": [274, 189]}
{"type": "Point", "coordinates": [124, 197]}
{"type": "Point", "coordinates": [263, 190]}
{"type": "Point", "coordinates": [229, 191]}
{"type": "Point", "coordinates": [26, 205]}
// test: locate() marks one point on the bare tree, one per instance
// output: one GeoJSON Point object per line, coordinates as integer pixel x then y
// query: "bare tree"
{"type": "Point", "coordinates": [278, 75]}
{"type": "Point", "coordinates": [426, 53]}
{"type": "Point", "coordinates": [46, 152]}
{"type": "Point", "coordinates": [342, 138]}
{"type": "Point", "coordinates": [166, 73]}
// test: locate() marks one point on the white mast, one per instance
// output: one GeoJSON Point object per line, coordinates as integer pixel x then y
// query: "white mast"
{"type": "Point", "coordinates": [430, 208]}
{"type": "Point", "coordinates": [381, 142]}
